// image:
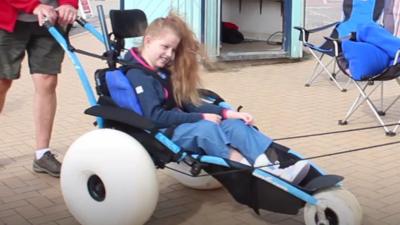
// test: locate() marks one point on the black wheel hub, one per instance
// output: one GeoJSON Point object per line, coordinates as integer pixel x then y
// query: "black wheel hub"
{"type": "Point", "coordinates": [96, 188]}
{"type": "Point", "coordinates": [330, 215]}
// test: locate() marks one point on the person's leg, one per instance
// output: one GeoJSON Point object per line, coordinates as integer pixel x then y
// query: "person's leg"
{"type": "Point", "coordinates": [45, 102]}
{"type": "Point", "coordinates": [45, 58]}
{"type": "Point", "coordinates": [5, 84]}
{"type": "Point", "coordinates": [12, 52]}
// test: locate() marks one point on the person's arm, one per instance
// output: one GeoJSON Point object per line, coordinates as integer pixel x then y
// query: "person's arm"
{"type": "Point", "coordinates": [150, 94]}
{"type": "Point", "coordinates": [24, 5]}
{"type": "Point", "coordinates": [73, 3]}
{"type": "Point", "coordinates": [67, 11]}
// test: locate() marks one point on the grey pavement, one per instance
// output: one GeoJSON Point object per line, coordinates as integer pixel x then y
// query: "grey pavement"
{"type": "Point", "coordinates": [274, 94]}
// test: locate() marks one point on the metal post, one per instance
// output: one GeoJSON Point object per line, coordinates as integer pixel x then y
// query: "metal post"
{"type": "Point", "coordinates": [104, 31]}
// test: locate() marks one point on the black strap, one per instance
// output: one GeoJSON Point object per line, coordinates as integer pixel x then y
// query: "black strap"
{"type": "Point", "coordinates": [309, 158]}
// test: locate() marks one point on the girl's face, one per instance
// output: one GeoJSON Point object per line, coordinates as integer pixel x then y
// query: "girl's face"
{"type": "Point", "coordinates": [159, 51]}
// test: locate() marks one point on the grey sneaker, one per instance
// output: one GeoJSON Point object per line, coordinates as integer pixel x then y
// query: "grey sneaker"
{"type": "Point", "coordinates": [47, 164]}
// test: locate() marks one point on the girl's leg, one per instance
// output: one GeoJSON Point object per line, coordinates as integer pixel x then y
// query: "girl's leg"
{"type": "Point", "coordinates": [206, 137]}
{"type": "Point", "coordinates": [250, 142]}
{"type": "Point", "coordinates": [203, 136]}
{"type": "Point", "coordinates": [253, 144]}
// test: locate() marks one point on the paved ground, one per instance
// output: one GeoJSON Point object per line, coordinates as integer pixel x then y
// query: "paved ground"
{"type": "Point", "coordinates": [274, 94]}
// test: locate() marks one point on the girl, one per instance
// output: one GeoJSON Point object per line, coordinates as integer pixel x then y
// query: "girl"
{"type": "Point", "coordinates": [166, 80]}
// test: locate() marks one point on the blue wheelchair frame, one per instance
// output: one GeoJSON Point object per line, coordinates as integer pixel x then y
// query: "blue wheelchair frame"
{"type": "Point", "coordinates": [301, 195]}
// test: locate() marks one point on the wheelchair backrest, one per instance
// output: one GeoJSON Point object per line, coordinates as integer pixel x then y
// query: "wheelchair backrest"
{"type": "Point", "coordinates": [358, 12]}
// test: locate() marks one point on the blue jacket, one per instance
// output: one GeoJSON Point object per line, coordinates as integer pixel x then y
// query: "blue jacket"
{"type": "Point", "coordinates": [154, 92]}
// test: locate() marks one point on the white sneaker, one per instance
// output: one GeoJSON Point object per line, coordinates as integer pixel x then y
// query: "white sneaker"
{"type": "Point", "coordinates": [294, 173]}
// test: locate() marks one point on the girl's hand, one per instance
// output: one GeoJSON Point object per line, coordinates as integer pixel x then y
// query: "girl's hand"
{"type": "Point", "coordinates": [212, 117]}
{"type": "Point", "coordinates": [246, 117]}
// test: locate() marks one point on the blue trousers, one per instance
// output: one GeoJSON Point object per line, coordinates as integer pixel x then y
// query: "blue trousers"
{"type": "Point", "coordinates": [216, 139]}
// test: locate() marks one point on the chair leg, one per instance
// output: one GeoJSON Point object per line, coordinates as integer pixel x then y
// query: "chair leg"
{"type": "Point", "coordinates": [361, 98]}
{"type": "Point", "coordinates": [315, 74]}
{"type": "Point", "coordinates": [391, 104]}
{"type": "Point", "coordinates": [356, 104]}
{"type": "Point", "coordinates": [347, 84]}
{"type": "Point", "coordinates": [394, 131]}
{"type": "Point", "coordinates": [365, 97]}
{"type": "Point", "coordinates": [321, 64]}
{"type": "Point", "coordinates": [334, 71]}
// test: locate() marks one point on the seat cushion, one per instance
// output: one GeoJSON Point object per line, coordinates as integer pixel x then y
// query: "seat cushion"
{"type": "Point", "coordinates": [365, 60]}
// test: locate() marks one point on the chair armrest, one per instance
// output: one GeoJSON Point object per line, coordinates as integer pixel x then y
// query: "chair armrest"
{"type": "Point", "coordinates": [121, 115]}
{"type": "Point", "coordinates": [305, 33]}
{"type": "Point", "coordinates": [396, 58]}
{"type": "Point", "coordinates": [337, 42]}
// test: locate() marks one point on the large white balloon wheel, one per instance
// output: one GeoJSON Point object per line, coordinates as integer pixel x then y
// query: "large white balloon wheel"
{"type": "Point", "coordinates": [336, 206]}
{"type": "Point", "coordinates": [107, 177]}
{"type": "Point", "coordinates": [201, 182]}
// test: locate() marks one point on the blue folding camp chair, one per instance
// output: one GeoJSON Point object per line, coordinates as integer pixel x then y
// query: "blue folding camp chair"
{"type": "Point", "coordinates": [370, 57]}
{"type": "Point", "coordinates": [356, 12]}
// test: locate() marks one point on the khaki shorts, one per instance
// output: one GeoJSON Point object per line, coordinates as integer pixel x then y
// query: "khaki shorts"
{"type": "Point", "coordinates": [45, 55]}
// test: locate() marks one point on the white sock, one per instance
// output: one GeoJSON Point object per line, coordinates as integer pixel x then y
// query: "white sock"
{"type": "Point", "coordinates": [39, 153]}
{"type": "Point", "coordinates": [262, 160]}
{"type": "Point", "coordinates": [245, 162]}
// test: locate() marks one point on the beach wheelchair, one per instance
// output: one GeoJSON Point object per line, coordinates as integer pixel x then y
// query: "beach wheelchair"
{"type": "Point", "coordinates": [109, 175]}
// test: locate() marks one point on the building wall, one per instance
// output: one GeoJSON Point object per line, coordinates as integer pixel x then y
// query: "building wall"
{"type": "Point", "coordinates": [297, 19]}
{"type": "Point", "coordinates": [204, 18]}
{"type": "Point", "coordinates": [254, 23]}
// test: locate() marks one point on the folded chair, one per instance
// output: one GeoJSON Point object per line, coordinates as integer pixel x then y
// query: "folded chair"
{"type": "Point", "coordinates": [355, 12]}
{"type": "Point", "coordinates": [370, 58]}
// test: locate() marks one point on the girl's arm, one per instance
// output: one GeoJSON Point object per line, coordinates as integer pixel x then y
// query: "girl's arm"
{"type": "Point", "coordinates": [150, 94]}
{"type": "Point", "coordinates": [204, 108]}
{"type": "Point", "coordinates": [224, 113]}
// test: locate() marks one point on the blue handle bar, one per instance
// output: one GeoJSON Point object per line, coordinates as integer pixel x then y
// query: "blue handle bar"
{"type": "Point", "coordinates": [77, 64]}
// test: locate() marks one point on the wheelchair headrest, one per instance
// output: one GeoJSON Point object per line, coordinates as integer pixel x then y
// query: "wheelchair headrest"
{"type": "Point", "coordinates": [128, 23]}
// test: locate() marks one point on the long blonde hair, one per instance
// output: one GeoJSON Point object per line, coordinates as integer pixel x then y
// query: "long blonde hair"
{"type": "Point", "coordinates": [185, 67]}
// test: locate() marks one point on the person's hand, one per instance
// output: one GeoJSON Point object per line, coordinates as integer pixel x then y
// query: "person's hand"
{"type": "Point", "coordinates": [212, 117]}
{"type": "Point", "coordinates": [66, 14]}
{"type": "Point", "coordinates": [246, 117]}
{"type": "Point", "coordinates": [45, 13]}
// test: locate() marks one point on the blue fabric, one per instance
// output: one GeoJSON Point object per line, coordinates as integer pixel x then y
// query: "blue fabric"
{"type": "Point", "coordinates": [362, 12]}
{"type": "Point", "coordinates": [121, 91]}
{"type": "Point", "coordinates": [214, 139]}
{"type": "Point", "coordinates": [365, 60]}
{"type": "Point", "coordinates": [380, 37]}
